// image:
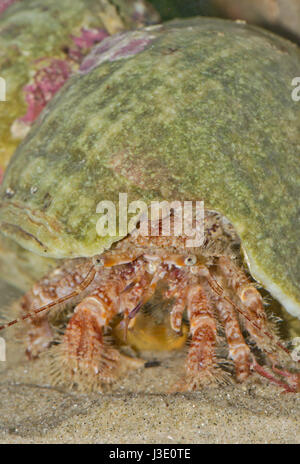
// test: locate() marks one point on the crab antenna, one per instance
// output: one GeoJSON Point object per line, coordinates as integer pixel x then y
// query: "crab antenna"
{"type": "Point", "coordinates": [219, 291]}
{"type": "Point", "coordinates": [147, 295]}
{"type": "Point", "coordinates": [134, 312]}
{"type": "Point", "coordinates": [82, 286]}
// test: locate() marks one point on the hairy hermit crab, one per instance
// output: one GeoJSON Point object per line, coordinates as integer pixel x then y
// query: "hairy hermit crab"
{"type": "Point", "coordinates": [182, 112]}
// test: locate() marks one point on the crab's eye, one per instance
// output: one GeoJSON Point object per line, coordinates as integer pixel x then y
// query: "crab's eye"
{"type": "Point", "coordinates": [190, 260]}
{"type": "Point", "coordinates": [98, 261]}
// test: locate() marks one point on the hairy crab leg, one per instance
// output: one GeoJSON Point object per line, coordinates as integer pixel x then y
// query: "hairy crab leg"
{"type": "Point", "coordinates": [256, 322]}
{"type": "Point", "coordinates": [201, 361]}
{"type": "Point", "coordinates": [87, 280]}
{"type": "Point", "coordinates": [218, 289]}
{"type": "Point", "coordinates": [239, 351]}
{"type": "Point", "coordinates": [177, 289]}
{"type": "Point", "coordinates": [177, 311]}
{"type": "Point", "coordinates": [83, 345]}
{"type": "Point", "coordinates": [253, 305]}
{"type": "Point", "coordinates": [40, 335]}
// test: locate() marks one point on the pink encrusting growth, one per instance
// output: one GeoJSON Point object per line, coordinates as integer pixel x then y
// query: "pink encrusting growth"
{"type": "Point", "coordinates": [85, 41]}
{"type": "Point", "coordinates": [116, 47]}
{"type": "Point", "coordinates": [47, 81]}
{"type": "Point", "coordinates": [49, 78]}
{"type": "Point", "coordinates": [4, 4]}
{"type": "Point", "coordinates": [131, 48]}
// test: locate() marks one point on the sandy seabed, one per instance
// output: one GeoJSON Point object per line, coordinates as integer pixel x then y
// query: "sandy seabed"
{"type": "Point", "coordinates": [137, 409]}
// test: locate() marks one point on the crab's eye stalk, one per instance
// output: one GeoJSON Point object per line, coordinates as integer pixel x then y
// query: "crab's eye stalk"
{"type": "Point", "coordinates": [190, 260]}
{"type": "Point", "coordinates": [98, 262]}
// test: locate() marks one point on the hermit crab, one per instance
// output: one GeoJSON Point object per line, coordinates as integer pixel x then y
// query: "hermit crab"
{"type": "Point", "coordinates": [182, 112]}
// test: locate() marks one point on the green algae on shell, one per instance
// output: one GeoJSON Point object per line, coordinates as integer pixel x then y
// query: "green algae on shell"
{"type": "Point", "coordinates": [193, 109]}
{"type": "Point", "coordinates": [48, 33]}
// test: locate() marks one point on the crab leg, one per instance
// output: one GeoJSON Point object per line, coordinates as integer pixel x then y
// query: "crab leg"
{"type": "Point", "coordinates": [38, 337]}
{"type": "Point", "coordinates": [256, 321]}
{"type": "Point", "coordinates": [239, 351]}
{"type": "Point", "coordinates": [178, 290]}
{"type": "Point", "coordinates": [177, 312]}
{"type": "Point", "coordinates": [83, 344]}
{"type": "Point", "coordinates": [179, 305]}
{"type": "Point", "coordinates": [291, 387]}
{"type": "Point", "coordinates": [60, 288]}
{"type": "Point", "coordinates": [201, 359]}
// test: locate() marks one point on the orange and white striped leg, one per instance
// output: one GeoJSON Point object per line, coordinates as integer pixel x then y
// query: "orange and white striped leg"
{"type": "Point", "coordinates": [177, 313]}
{"type": "Point", "coordinates": [239, 351]}
{"type": "Point", "coordinates": [61, 282]}
{"type": "Point", "coordinates": [255, 318]}
{"type": "Point", "coordinates": [177, 289]}
{"type": "Point", "coordinates": [179, 292]}
{"type": "Point", "coordinates": [257, 325]}
{"type": "Point", "coordinates": [83, 347]}
{"type": "Point", "coordinates": [201, 360]}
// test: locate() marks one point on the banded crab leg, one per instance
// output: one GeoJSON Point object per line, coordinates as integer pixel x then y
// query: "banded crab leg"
{"type": "Point", "coordinates": [239, 351]}
{"type": "Point", "coordinates": [60, 288]}
{"type": "Point", "coordinates": [177, 289]}
{"type": "Point", "coordinates": [83, 346]}
{"type": "Point", "coordinates": [64, 286]}
{"type": "Point", "coordinates": [252, 303]}
{"type": "Point", "coordinates": [256, 323]}
{"type": "Point", "coordinates": [201, 361]}
{"type": "Point", "coordinates": [178, 310]}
